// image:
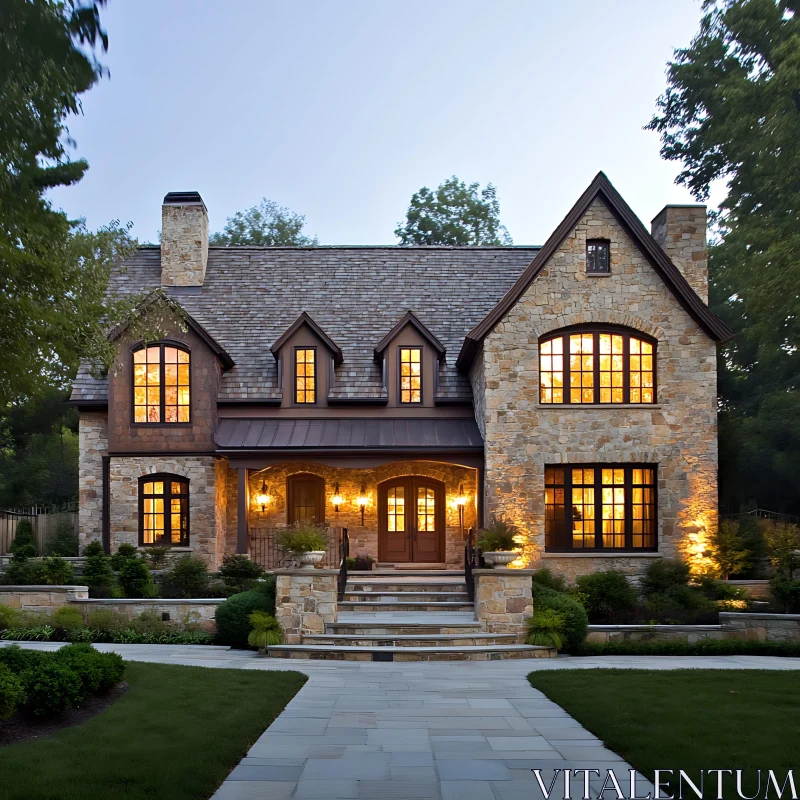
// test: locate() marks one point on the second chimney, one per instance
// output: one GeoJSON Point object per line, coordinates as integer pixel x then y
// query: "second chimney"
{"type": "Point", "coordinates": [184, 239]}
{"type": "Point", "coordinates": [681, 233]}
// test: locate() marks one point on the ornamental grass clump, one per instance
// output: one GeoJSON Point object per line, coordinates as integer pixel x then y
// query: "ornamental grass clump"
{"type": "Point", "coordinates": [266, 631]}
{"type": "Point", "coordinates": [546, 628]}
{"type": "Point", "coordinates": [302, 537]}
{"type": "Point", "coordinates": [498, 537]}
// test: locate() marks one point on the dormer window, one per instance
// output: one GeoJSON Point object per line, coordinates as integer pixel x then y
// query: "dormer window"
{"type": "Point", "coordinates": [598, 260]}
{"type": "Point", "coordinates": [410, 374]}
{"type": "Point", "coordinates": [161, 385]}
{"type": "Point", "coordinates": [305, 375]}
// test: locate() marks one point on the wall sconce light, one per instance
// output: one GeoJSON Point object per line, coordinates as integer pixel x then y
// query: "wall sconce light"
{"type": "Point", "coordinates": [263, 496]}
{"type": "Point", "coordinates": [461, 501]}
{"type": "Point", "coordinates": [363, 502]}
{"type": "Point", "coordinates": [337, 499]}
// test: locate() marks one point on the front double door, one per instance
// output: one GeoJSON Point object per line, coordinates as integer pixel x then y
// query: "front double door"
{"type": "Point", "coordinates": [411, 520]}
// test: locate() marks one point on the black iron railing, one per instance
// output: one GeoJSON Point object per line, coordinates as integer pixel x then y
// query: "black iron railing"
{"type": "Point", "coordinates": [344, 554]}
{"type": "Point", "coordinates": [470, 563]}
{"type": "Point", "coordinates": [264, 550]}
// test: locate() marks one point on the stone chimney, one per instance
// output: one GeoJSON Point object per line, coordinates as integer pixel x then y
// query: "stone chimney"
{"type": "Point", "coordinates": [681, 233]}
{"type": "Point", "coordinates": [184, 239]}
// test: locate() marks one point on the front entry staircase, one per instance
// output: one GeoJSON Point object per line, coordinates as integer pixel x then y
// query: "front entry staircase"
{"type": "Point", "coordinates": [408, 615]}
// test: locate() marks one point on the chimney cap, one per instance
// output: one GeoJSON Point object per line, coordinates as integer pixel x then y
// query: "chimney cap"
{"type": "Point", "coordinates": [183, 199]}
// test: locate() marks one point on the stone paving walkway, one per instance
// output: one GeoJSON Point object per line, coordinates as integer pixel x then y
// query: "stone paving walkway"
{"type": "Point", "coordinates": [429, 731]}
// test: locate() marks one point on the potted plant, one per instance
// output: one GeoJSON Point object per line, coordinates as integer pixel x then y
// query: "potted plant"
{"type": "Point", "coordinates": [497, 544]}
{"type": "Point", "coordinates": [363, 563]}
{"type": "Point", "coordinates": [266, 631]}
{"type": "Point", "coordinates": [306, 542]}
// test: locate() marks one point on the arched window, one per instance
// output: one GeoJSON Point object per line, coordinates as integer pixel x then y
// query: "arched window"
{"type": "Point", "coordinates": [163, 511]}
{"type": "Point", "coordinates": [161, 384]}
{"type": "Point", "coordinates": [305, 498]}
{"type": "Point", "coordinates": [598, 365]}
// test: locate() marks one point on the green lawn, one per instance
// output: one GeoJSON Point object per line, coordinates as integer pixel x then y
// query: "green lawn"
{"type": "Point", "coordinates": [175, 735]}
{"type": "Point", "coordinates": [687, 719]}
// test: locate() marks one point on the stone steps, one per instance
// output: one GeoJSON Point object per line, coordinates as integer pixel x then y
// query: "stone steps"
{"type": "Point", "coordinates": [415, 585]}
{"type": "Point", "coordinates": [405, 597]}
{"type": "Point", "coordinates": [370, 640]}
{"type": "Point", "coordinates": [402, 605]}
{"type": "Point", "coordinates": [337, 652]}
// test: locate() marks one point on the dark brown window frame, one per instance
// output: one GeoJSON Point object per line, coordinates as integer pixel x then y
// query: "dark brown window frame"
{"type": "Point", "coordinates": [167, 478]}
{"type": "Point", "coordinates": [291, 488]}
{"type": "Point", "coordinates": [400, 349]}
{"type": "Point", "coordinates": [162, 343]}
{"type": "Point", "coordinates": [619, 330]}
{"type": "Point", "coordinates": [605, 244]}
{"type": "Point", "coordinates": [566, 534]}
{"type": "Point", "coordinates": [295, 377]}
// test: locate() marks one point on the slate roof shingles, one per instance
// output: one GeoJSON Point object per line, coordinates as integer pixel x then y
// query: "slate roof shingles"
{"type": "Point", "coordinates": [251, 295]}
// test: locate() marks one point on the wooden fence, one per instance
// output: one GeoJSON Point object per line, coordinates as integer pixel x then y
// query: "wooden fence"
{"type": "Point", "coordinates": [44, 519]}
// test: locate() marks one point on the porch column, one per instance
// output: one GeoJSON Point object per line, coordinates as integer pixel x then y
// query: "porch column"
{"type": "Point", "coordinates": [243, 497]}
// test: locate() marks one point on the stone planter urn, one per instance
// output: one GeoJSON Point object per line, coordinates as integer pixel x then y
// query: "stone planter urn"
{"type": "Point", "coordinates": [310, 559]}
{"type": "Point", "coordinates": [500, 559]}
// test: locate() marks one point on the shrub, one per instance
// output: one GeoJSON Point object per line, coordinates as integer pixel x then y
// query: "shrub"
{"type": "Point", "coordinates": [575, 620]}
{"type": "Point", "coordinates": [94, 548]}
{"type": "Point", "coordinates": [50, 688]}
{"type": "Point", "coordinates": [233, 616]}
{"type": "Point", "coordinates": [546, 628]}
{"type": "Point", "coordinates": [719, 590]}
{"type": "Point", "coordinates": [67, 619]}
{"type": "Point", "coordinates": [363, 563]}
{"type": "Point", "coordinates": [783, 546]}
{"type": "Point", "coordinates": [57, 571]}
{"type": "Point", "coordinates": [302, 537]}
{"type": "Point", "coordinates": [705, 647]}
{"type": "Point", "coordinates": [148, 622]}
{"type": "Point", "coordinates": [499, 536]}
{"type": "Point", "coordinates": [239, 572]}
{"type": "Point", "coordinates": [97, 574]}
{"type": "Point", "coordinates": [125, 552]}
{"type": "Point", "coordinates": [98, 672]}
{"type": "Point", "coordinates": [104, 619]}
{"type": "Point", "coordinates": [187, 578]}
{"type": "Point", "coordinates": [664, 573]}
{"type": "Point", "coordinates": [608, 593]}
{"type": "Point", "coordinates": [157, 556]}
{"type": "Point", "coordinates": [25, 572]}
{"type": "Point", "coordinates": [728, 550]}
{"type": "Point", "coordinates": [24, 544]}
{"type": "Point", "coordinates": [9, 617]}
{"type": "Point", "coordinates": [547, 578]}
{"type": "Point", "coordinates": [64, 541]}
{"type": "Point", "coordinates": [266, 630]}
{"type": "Point", "coordinates": [12, 693]}
{"type": "Point", "coordinates": [18, 660]}
{"type": "Point", "coordinates": [135, 578]}
{"type": "Point", "coordinates": [787, 594]}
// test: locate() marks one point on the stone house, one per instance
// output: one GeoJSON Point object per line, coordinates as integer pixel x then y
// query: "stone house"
{"type": "Point", "coordinates": [409, 394]}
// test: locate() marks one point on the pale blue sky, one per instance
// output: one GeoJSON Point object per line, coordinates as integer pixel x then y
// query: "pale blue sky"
{"type": "Point", "coordinates": [341, 110]}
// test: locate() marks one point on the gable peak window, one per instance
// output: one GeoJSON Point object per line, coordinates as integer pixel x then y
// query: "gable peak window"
{"type": "Point", "coordinates": [305, 375]}
{"type": "Point", "coordinates": [598, 257]}
{"type": "Point", "coordinates": [161, 384]}
{"type": "Point", "coordinates": [410, 374]}
{"type": "Point", "coordinates": [163, 511]}
{"type": "Point", "coordinates": [597, 366]}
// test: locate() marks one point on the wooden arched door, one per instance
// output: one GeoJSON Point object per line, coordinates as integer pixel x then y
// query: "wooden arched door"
{"type": "Point", "coordinates": [411, 520]}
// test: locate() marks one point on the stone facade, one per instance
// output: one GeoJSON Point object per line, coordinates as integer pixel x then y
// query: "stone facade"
{"type": "Point", "coordinates": [184, 244]}
{"type": "Point", "coordinates": [678, 433]}
{"type": "Point", "coordinates": [305, 601]}
{"type": "Point", "coordinates": [93, 445]}
{"type": "Point", "coordinates": [503, 600]}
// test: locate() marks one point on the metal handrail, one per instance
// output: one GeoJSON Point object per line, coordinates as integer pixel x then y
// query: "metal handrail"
{"type": "Point", "coordinates": [470, 562]}
{"type": "Point", "coordinates": [344, 554]}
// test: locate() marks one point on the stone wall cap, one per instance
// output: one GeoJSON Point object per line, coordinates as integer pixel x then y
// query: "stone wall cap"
{"type": "Point", "coordinates": [756, 615]}
{"type": "Point", "coordinates": [680, 628]}
{"type": "Point", "coordinates": [164, 601]}
{"type": "Point", "coordinates": [523, 572]}
{"type": "Point", "coordinates": [44, 588]}
{"type": "Point", "coordinates": [307, 572]}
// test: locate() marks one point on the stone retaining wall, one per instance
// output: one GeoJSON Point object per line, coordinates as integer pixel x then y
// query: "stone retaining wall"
{"type": "Point", "coordinates": [305, 601]}
{"type": "Point", "coordinates": [503, 600]}
{"type": "Point", "coordinates": [44, 599]}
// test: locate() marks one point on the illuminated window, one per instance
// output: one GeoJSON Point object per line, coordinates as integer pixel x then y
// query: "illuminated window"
{"type": "Point", "coordinates": [163, 511]}
{"type": "Point", "coordinates": [600, 507]}
{"type": "Point", "coordinates": [396, 509]}
{"type": "Point", "coordinates": [602, 367]}
{"type": "Point", "coordinates": [161, 390]}
{"type": "Point", "coordinates": [426, 509]}
{"type": "Point", "coordinates": [598, 261]}
{"type": "Point", "coordinates": [305, 375]}
{"type": "Point", "coordinates": [410, 374]}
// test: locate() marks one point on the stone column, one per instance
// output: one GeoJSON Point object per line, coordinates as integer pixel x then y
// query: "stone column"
{"type": "Point", "coordinates": [503, 601]}
{"type": "Point", "coordinates": [305, 601]}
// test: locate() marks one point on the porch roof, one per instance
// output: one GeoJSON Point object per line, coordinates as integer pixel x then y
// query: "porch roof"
{"type": "Point", "coordinates": [349, 435]}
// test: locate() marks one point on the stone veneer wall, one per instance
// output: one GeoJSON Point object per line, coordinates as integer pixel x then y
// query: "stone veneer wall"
{"type": "Point", "coordinates": [363, 539]}
{"type": "Point", "coordinates": [681, 232]}
{"type": "Point", "coordinates": [184, 244]}
{"type": "Point", "coordinates": [42, 599]}
{"type": "Point", "coordinates": [679, 433]}
{"type": "Point", "coordinates": [503, 600]}
{"type": "Point", "coordinates": [305, 601]}
{"type": "Point", "coordinates": [92, 446]}
{"type": "Point", "coordinates": [205, 539]}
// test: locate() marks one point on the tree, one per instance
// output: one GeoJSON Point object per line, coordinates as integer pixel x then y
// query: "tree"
{"type": "Point", "coordinates": [455, 214]}
{"type": "Point", "coordinates": [263, 225]}
{"type": "Point", "coordinates": [783, 546]}
{"type": "Point", "coordinates": [731, 113]}
{"type": "Point", "coordinates": [728, 550]}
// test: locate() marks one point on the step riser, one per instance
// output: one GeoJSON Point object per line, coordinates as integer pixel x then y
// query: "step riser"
{"type": "Point", "coordinates": [439, 641]}
{"type": "Point", "coordinates": [407, 657]}
{"type": "Point", "coordinates": [372, 608]}
{"type": "Point", "coordinates": [407, 597]}
{"type": "Point", "coordinates": [401, 588]}
{"type": "Point", "coordinates": [397, 630]}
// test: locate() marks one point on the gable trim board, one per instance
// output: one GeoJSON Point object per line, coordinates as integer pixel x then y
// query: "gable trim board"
{"type": "Point", "coordinates": [600, 187]}
{"type": "Point", "coordinates": [410, 318]}
{"type": "Point", "coordinates": [305, 319]}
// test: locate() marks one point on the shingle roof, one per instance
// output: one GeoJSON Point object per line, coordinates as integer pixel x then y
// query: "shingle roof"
{"type": "Point", "coordinates": [251, 295]}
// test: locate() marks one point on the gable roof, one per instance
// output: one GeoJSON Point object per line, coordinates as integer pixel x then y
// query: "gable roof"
{"type": "Point", "coordinates": [600, 187]}
{"type": "Point", "coordinates": [410, 318]}
{"type": "Point", "coordinates": [305, 319]}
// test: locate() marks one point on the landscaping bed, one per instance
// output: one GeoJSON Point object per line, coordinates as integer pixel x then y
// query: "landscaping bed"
{"type": "Point", "coordinates": [175, 735]}
{"type": "Point", "coordinates": [687, 719]}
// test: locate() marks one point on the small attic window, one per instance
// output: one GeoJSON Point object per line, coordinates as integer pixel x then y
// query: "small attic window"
{"type": "Point", "coordinates": [598, 260]}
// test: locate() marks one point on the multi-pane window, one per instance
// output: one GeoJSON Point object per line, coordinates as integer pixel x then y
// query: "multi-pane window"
{"type": "Point", "coordinates": [598, 261]}
{"type": "Point", "coordinates": [161, 390]}
{"type": "Point", "coordinates": [600, 507]}
{"type": "Point", "coordinates": [305, 498]}
{"type": "Point", "coordinates": [163, 511]}
{"type": "Point", "coordinates": [305, 375]}
{"type": "Point", "coordinates": [606, 367]}
{"type": "Point", "coordinates": [426, 509]}
{"type": "Point", "coordinates": [396, 509]}
{"type": "Point", "coordinates": [410, 374]}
